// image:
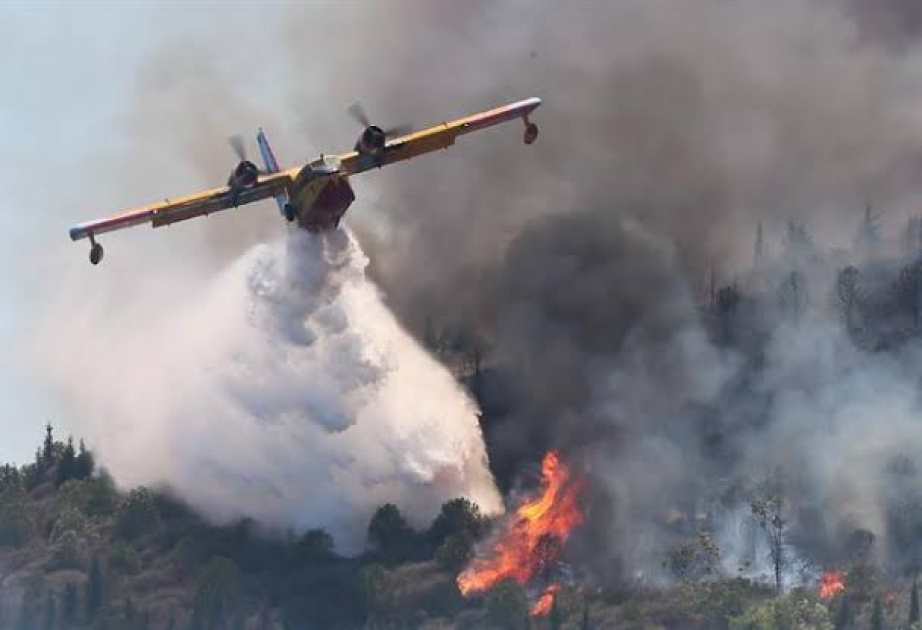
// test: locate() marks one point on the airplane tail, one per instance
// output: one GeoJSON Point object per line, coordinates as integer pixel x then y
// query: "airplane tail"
{"type": "Point", "coordinates": [272, 166]}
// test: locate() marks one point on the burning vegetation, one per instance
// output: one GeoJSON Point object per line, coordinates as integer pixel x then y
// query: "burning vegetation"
{"type": "Point", "coordinates": [530, 542]}
{"type": "Point", "coordinates": [831, 584]}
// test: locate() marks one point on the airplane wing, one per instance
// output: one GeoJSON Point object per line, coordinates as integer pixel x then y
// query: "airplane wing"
{"type": "Point", "coordinates": [439, 136]}
{"type": "Point", "coordinates": [181, 208]}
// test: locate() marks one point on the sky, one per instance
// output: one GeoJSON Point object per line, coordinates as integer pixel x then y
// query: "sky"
{"type": "Point", "coordinates": [69, 77]}
{"type": "Point", "coordinates": [52, 58]}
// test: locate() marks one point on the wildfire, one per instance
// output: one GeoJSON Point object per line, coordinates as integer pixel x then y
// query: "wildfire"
{"type": "Point", "coordinates": [545, 601]}
{"type": "Point", "coordinates": [532, 538]}
{"type": "Point", "coordinates": [831, 583]}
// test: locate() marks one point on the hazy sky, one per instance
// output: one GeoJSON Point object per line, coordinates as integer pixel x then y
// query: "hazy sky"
{"type": "Point", "coordinates": [68, 77]}
{"type": "Point", "coordinates": [65, 74]}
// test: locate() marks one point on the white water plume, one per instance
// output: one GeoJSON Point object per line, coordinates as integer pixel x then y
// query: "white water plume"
{"type": "Point", "coordinates": [285, 391]}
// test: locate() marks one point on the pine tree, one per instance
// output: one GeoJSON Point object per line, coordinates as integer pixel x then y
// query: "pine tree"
{"type": "Point", "coordinates": [554, 616]}
{"type": "Point", "coordinates": [129, 614]}
{"type": "Point", "coordinates": [49, 613]}
{"type": "Point", "coordinates": [95, 589]}
{"type": "Point", "coordinates": [69, 606]}
{"type": "Point", "coordinates": [84, 464]}
{"type": "Point", "coordinates": [877, 616]}
{"type": "Point", "coordinates": [48, 447]}
{"type": "Point", "coordinates": [914, 603]}
{"type": "Point", "coordinates": [844, 615]}
{"type": "Point", "coordinates": [68, 465]}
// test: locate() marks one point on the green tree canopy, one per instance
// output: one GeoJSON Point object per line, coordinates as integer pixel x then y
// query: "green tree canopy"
{"type": "Point", "coordinates": [507, 606]}
{"type": "Point", "coordinates": [217, 592]}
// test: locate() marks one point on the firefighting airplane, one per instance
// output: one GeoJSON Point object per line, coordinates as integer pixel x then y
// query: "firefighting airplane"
{"type": "Point", "coordinates": [317, 194]}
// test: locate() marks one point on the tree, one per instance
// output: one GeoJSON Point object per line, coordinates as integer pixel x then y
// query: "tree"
{"type": "Point", "coordinates": [696, 558]}
{"type": "Point", "coordinates": [457, 516]}
{"type": "Point", "coordinates": [69, 605]}
{"type": "Point", "coordinates": [31, 604]}
{"type": "Point", "coordinates": [554, 616]}
{"type": "Point", "coordinates": [914, 603]}
{"type": "Point", "coordinates": [455, 552]}
{"type": "Point", "coordinates": [877, 616]}
{"type": "Point", "coordinates": [315, 545]}
{"type": "Point", "coordinates": [16, 523]}
{"type": "Point", "coordinates": [792, 295]}
{"type": "Point", "coordinates": [67, 466]}
{"type": "Point", "coordinates": [908, 293]}
{"type": "Point", "coordinates": [217, 592]}
{"type": "Point", "coordinates": [798, 244]}
{"type": "Point", "coordinates": [843, 616]}
{"type": "Point", "coordinates": [85, 463]}
{"type": "Point", "coordinates": [377, 591]}
{"type": "Point", "coordinates": [758, 254]}
{"type": "Point", "coordinates": [769, 508]}
{"type": "Point", "coordinates": [868, 236]}
{"type": "Point", "coordinates": [96, 590]}
{"type": "Point", "coordinates": [389, 533]}
{"type": "Point", "coordinates": [798, 609]}
{"type": "Point", "coordinates": [138, 514]}
{"type": "Point", "coordinates": [507, 606]}
{"type": "Point", "coordinates": [912, 236]}
{"type": "Point", "coordinates": [129, 614]}
{"type": "Point", "coordinates": [48, 612]}
{"type": "Point", "coordinates": [848, 297]}
{"type": "Point", "coordinates": [727, 302]}
{"type": "Point", "coordinates": [48, 447]}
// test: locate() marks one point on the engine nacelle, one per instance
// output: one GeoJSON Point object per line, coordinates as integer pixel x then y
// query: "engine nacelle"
{"type": "Point", "coordinates": [245, 174]}
{"type": "Point", "coordinates": [372, 140]}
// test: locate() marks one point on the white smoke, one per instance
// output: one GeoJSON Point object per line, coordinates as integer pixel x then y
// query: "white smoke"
{"type": "Point", "coordinates": [285, 391]}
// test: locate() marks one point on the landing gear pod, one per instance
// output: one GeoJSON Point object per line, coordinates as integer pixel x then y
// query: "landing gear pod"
{"type": "Point", "coordinates": [531, 133]}
{"type": "Point", "coordinates": [96, 253]}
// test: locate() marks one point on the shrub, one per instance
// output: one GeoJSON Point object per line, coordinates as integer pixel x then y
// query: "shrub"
{"type": "Point", "coordinates": [69, 551]}
{"type": "Point", "coordinates": [455, 552]}
{"type": "Point", "coordinates": [217, 593]}
{"type": "Point", "coordinates": [798, 609]}
{"type": "Point", "coordinates": [314, 546]}
{"type": "Point", "coordinates": [507, 606]}
{"type": "Point", "coordinates": [138, 514]}
{"type": "Point", "coordinates": [16, 524]}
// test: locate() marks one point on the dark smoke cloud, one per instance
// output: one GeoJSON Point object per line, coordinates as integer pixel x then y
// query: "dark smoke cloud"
{"type": "Point", "coordinates": [668, 132]}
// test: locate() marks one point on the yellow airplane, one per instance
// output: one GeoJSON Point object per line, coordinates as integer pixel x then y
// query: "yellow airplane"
{"type": "Point", "coordinates": [317, 194]}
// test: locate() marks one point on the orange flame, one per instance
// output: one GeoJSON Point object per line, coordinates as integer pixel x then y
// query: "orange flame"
{"type": "Point", "coordinates": [545, 601]}
{"type": "Point", "coordinates": [831, 584]}
{"type": "Point", "coordinates": [532, 539]}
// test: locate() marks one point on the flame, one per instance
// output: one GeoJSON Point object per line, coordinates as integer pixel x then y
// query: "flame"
{"type": "Point", "coordinates": [532, 539]}
{"type": "Point", "coordinates": [545, 601]}
{"type": "Point", "coordinates": [831, 584]}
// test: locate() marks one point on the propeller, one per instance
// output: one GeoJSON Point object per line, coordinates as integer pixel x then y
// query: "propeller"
{"type": "Point", "coordinates": [358, 114]}
{"type": "Point", "coordinates": [238, 146]}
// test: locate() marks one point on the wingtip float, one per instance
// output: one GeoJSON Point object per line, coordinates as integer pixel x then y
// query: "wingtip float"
{"type": "Point", "coordinates": [315, 195]}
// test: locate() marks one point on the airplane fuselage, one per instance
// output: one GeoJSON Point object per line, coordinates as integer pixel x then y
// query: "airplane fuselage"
{"type": "Point", "coordinates": [320, 195]}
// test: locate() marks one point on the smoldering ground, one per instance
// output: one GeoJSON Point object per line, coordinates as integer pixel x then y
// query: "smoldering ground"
{"type": "Point", "coordinates": [668, 132]}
